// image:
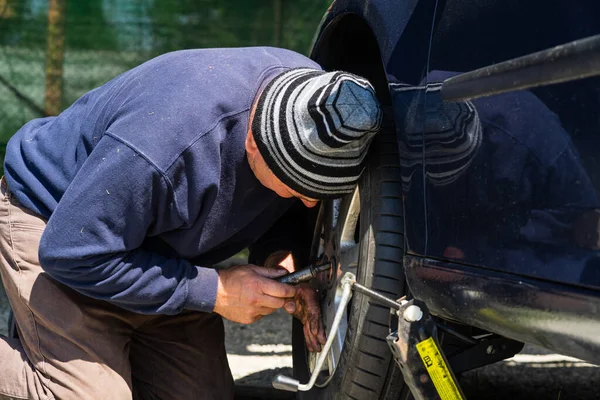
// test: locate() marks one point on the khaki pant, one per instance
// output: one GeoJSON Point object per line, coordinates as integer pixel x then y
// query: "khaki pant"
{"type": "Point", "coordinates": [74, 347]}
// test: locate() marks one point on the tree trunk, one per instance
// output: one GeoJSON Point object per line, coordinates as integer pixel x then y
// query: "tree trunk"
{"type": "Point", "coordinates": [55, 52]}
{"type": "Point", "coordinates": [277, 22]}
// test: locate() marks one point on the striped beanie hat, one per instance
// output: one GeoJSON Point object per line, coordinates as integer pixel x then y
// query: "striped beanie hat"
{"type": "Point", "coordinates": [313, 128]}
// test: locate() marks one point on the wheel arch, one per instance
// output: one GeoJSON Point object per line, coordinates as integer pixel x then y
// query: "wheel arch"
{"type": "Point", "coordinates": [349, 44]}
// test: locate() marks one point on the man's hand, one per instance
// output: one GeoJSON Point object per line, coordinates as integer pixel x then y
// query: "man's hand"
{"type": "Point", "coordinates": [281, 259]}
{"type": "Point", "coordinates": [305, 307]}
{"type": "Point", "coordinates": [247, 293]}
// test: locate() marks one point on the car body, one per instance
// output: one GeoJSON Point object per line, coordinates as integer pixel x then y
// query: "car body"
{"type": "Point", "coordinates": [501, 227]}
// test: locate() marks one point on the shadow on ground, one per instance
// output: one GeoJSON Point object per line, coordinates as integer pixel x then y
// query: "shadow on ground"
{"type": "Point", "coordinates": [503, 381]}
{"type": "Point", "coordinates": [260, 351]}
{"type": "Point", "coordinates": [271, 334]}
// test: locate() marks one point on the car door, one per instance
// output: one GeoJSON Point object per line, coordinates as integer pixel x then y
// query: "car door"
{"type": "Point", "coordinates": [511, 181]}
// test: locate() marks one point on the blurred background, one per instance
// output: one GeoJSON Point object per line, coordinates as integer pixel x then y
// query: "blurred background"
{"type": "Point", "coordinates": [54, 51]}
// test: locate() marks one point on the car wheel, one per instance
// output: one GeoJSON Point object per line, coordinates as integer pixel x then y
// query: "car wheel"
{"type": "Point", "coordinates": [362, 233]}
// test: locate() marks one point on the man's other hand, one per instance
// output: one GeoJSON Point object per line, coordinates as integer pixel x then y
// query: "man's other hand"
{"type": "Point", "coordinates": [281, 259]}
{"type": "Point", "coordinates": [305, 307]}
{"type": "Point", "coordinates": [247, 293]}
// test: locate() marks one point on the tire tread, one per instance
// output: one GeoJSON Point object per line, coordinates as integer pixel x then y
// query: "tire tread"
{"type": "Point", "coordinates": [369, 365]}
{"type": "Point", "coordinates": [387, 274]}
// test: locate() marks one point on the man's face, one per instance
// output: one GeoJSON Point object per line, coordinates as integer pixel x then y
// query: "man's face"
{"type": "Point", "coordinates": [264, 174]}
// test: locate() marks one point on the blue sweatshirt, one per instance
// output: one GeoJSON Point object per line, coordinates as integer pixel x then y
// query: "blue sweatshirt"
{"type": "Point", "coordinates": [145, 180]}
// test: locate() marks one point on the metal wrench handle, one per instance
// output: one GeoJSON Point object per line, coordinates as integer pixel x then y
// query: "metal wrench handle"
{"type": "Point", "coordinates": [378, 298]}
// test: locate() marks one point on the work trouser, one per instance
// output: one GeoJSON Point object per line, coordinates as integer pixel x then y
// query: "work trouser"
{"type": "Point", "coordinates": [75, 347]}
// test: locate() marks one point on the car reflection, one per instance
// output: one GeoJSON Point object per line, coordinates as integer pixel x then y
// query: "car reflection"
{"type": "Point", "coordinates": [503, 184]}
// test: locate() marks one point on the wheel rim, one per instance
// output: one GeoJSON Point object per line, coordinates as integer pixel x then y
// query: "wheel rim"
{"type": "Point", "coordinates": [338, 243]}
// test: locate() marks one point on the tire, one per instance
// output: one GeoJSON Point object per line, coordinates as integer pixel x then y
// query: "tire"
{"type": "Point", "coordinates": [366, 369]}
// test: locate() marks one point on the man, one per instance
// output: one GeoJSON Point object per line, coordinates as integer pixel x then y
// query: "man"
{"type": "Point", "coordinates": [135, 191]}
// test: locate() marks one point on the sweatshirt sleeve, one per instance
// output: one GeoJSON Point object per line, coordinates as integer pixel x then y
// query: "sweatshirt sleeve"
{"type": "Point", "coordinates": [93, 238]}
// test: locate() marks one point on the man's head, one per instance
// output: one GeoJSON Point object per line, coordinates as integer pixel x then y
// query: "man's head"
{"type": "Point", "coordinates": [310, 132]}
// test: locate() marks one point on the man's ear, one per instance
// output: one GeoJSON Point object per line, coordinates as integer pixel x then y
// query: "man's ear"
{"type": "Point", "coordinates": [251, 147]}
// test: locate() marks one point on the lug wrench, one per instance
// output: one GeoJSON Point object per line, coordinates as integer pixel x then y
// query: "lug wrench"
{"type": "Point", "coordinates": [305, 274]}
{"type": "Point", "coordinates": [283, 382]}
{"type": "Point", "coordinates": [411, 359]}
{"type": "Point", "coordinates": [348, 283]}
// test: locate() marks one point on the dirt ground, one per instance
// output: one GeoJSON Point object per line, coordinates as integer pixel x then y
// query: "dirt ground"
{"type": "Point", "coordinates": [260, 351]}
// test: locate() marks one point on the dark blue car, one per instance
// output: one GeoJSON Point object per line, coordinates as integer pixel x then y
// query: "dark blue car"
{"type": "Point", "coordinates": [482, 193]}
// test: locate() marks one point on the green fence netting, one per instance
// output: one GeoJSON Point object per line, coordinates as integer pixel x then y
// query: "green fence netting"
{"type": "Point", "coordinates": [103, 38]}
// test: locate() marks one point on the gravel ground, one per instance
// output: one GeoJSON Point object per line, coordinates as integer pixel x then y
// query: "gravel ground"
{"type": "Point", "coordinates": [259, 351]}
{"type": "Point", "coordinates": [536, 374]}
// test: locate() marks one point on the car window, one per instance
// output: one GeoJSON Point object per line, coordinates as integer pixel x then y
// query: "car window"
{"type": "Point", "coordinates": [512, 181]}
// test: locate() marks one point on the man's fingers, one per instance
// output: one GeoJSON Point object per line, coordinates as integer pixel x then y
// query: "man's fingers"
{"type": "Point", "coordinates": [313, 315]}
{"type": "Point", "coordinates": [276, 289]}
{"type": "Point", "coordinates": [274, 259]}
{"type": "Point", "coordinates": [288, 263]}
{"type": "Point", "coordinates": [281, 259]}
{"type": "Point", "coordinates": [308, 311]}
{"type": "Point", "coordinates": [322, 337]}
{"type": "Point", "coordinates": [270, 302]}
{"type": "Point", "coordinates": [271, 273]}
{"type": "Point", "coordinates": [290, 307]}
{"type": "Point", "coordinates": [271, 287]}
{"type": "Point", "coordinates": [314, 326]}
{"type": "Point", "coordinates": [246, 293]}
{"type": "Point", "coordinates": [311, 343]}
{"type": "Point", "coordinates": [307, 339]}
